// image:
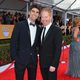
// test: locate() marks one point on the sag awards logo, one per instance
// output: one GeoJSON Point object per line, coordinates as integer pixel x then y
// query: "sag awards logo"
{"type": "Point", "coordinates": [5, 31]}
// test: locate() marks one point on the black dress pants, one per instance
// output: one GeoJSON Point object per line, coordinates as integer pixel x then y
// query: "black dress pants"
{"type": "Point", "coordinates": [47, 75]}
{"type": "Point", "coordinates": [20, 70]}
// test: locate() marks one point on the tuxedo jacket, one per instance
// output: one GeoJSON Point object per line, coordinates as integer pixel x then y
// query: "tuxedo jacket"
{"type": "Point", "coordinates": [20, 48]}
{"type": "Point", "coordinates": [50, 49]}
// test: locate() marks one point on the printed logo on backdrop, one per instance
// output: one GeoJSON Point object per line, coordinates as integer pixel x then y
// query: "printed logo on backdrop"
{"type": "Point", "coordinates": [5, 31]}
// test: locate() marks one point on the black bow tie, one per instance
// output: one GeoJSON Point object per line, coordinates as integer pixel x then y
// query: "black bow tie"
{"type": "Point", "coordinates": [32, 24]}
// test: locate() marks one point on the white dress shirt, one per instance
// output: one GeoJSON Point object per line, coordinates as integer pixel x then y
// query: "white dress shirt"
{"type": "Point", "coordinates": [32, 32]}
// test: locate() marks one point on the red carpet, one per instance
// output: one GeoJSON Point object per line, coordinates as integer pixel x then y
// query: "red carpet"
{"type": "Point", "coordinates": [9, 75]}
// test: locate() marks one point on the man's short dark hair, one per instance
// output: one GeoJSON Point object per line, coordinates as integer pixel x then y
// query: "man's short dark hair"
{"type": "Point", "coordinates": [34, 6]}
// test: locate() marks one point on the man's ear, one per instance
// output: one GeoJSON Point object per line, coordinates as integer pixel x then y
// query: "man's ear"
{"type": "Point", "coordinates": [29, 13]}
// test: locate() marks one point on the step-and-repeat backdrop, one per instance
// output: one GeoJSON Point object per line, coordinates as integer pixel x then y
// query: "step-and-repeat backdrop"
{"type": "Point", "coordinates": [6, 31]}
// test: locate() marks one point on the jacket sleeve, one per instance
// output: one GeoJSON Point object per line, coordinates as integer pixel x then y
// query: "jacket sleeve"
{"type": "Point", "coordinates": [14, 42]}
{"type": "Point", "coordinates": [39, 40]}
{"type": "Point", "coordinates": [57, 49]}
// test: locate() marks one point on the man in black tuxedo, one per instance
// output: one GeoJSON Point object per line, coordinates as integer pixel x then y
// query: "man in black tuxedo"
{"type": "Point", "coordinates": [50, 49]}
{"type": "Point", "coordinates": [24, 43]}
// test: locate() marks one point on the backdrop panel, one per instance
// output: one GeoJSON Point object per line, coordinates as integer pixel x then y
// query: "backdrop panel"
{"type": "Point", "coordinates": [6, 31]}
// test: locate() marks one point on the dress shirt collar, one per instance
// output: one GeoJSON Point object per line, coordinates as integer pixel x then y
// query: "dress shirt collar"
{"type": "Point", "coordinates": [48, 26]}
{"type": "Point", "coordinates": [29, 21]}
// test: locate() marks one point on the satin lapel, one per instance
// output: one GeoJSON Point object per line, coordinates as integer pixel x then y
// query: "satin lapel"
{"type": "Point", "coordinates": [49, 31]}
{"type": "Point", "coordinates": [28, 31]}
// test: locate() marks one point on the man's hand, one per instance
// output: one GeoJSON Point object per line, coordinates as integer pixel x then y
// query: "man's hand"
{"type": "Point", "coordinates": [52, 69]}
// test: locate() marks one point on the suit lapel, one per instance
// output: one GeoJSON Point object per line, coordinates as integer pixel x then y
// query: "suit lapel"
{"type": "Point", "coordinates": [48, 32]}
{"type": "Point", "coordinates": [28, 31]}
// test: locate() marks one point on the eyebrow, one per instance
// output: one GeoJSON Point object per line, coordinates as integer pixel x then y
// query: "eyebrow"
{"type": "Point", "coordinates": [35, 11]}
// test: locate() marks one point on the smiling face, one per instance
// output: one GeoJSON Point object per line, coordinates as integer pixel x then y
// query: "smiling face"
{"type": "Point", "coordinates": [78, 24]}
{"type": "Point", "coordinates": [77, 21]}
{"type": "Point", "coordinates": [33, 14]}
{"type": "Point", "coordinates": [46, 17]}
